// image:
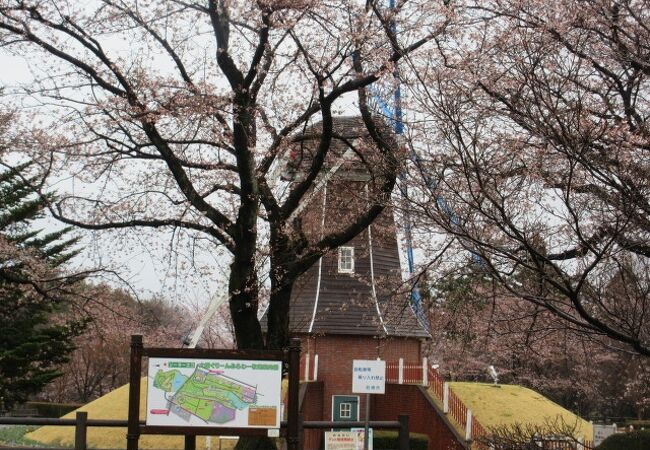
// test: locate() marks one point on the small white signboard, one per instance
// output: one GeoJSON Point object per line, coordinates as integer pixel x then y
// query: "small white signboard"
{"type": "Point", "coordinates": [602, 432]}
{"type": "Point", "coordinates": [368, 376]}
{"type": "Point", "coordinates": [343, 440]}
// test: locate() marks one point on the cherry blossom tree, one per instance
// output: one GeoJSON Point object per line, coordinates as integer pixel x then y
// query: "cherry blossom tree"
{"type": "Point", "coordinates": [637, 389]}
{"type": "Point", "coordinates": [100, 360]}
{"type": "Point", "coordinates": [176, 115]}
{"type": "Point", "coordinates": [474, 325]}
{"type": "Point", "coordinates": [533, 156]}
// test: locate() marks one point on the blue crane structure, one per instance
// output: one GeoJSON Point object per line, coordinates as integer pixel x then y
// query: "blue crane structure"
{"type": "Point", "coordinates": [389, 105]}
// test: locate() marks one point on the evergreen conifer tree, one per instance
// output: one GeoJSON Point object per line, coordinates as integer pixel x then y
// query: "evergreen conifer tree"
{"type": "Point", "coordinates": [33, 340]}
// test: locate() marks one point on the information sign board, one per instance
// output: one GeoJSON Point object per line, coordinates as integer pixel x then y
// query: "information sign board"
{"type": "Point", "coordinates": [368, 376]}
{"type": "Point", "coordinates": [343, 440]}
{"type": "Point", "coordinates": [214, 392]}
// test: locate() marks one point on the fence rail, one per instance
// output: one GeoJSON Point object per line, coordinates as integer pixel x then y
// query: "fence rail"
{"type": "Point", "coordinates": [81, 424]}
{"type": "Point", "coordinates": [436, 383]}
{"type": "Point", "coordinates": [457, 409]}
{"type": "Point", "coordinates": [479, 433]}
{"type": "Point", "coordinates": [421, 374]}
{"type": "Point", "coordinates": [116, 423]}
{"type": "Point", "coordinates": [392, 373]}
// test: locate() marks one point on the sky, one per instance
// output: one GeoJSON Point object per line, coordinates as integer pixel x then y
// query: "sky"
{"type": "Point", "coordinates": [147, 263]}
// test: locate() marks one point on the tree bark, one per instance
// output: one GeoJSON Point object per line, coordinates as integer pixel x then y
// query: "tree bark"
{"type": "Point", "coordinates": [243, 285]}
{"type": "Point", "coordinates": [243, 289]}
{"type": "Point", "coordinates": [278, 314]}
{"type": "Point", "coordinates": [282, 259]}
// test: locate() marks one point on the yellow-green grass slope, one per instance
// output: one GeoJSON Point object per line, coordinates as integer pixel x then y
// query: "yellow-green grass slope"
{"type": "Point", "coordinates": [506, 405]}
{"type": "Point", "coordinates": [114, 405]}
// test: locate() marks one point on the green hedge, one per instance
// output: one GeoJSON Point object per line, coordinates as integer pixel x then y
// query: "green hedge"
{"type": "Point", "coordinates": [638, 423]}
{"type": "Point", "coordinates": [387, 440]}
{"type": "Point", "coordinates": [52, 409]}
{"type": "Point", "coordinates": [636, 440]}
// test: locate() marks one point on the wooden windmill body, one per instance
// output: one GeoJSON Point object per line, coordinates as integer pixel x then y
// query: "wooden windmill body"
{"type": "Point", "coordinates": [351, 303]}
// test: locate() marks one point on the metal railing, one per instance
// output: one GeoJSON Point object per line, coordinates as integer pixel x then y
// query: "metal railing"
{"type": "Point", "coordinates": [458, 409]}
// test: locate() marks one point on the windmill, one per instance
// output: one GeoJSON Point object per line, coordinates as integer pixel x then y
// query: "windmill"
{"type": "Point", "coordinates": [347, 290]}
{"type": "Point", "coordinates": [347, 305]}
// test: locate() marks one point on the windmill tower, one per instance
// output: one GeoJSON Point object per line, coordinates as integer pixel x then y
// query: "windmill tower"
{"type": "Point", "coordinates": [348, 305]}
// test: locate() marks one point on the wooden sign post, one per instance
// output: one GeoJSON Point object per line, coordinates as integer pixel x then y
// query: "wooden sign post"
{"type": "Point", "coordinates": [213, 366]}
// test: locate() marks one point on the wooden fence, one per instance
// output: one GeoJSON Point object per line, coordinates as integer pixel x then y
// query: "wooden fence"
{"type": "Point", "coordinates": [436, 383]}
{"type": "Point", "coordinates": [81, 423]}
{"type": "Point", "coordinates": [458, 410]}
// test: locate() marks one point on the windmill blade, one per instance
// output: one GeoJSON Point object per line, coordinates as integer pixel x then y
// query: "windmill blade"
{"type": "Point", "coordinates": [217, 299]}
{"type": "Point", "coordinates": [322, 181]}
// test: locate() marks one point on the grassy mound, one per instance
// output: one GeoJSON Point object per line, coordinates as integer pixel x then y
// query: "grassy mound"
{"type": "Point", "coordinates": [114, 405]}
{"type": "Point", "coordinates": [506, 405]}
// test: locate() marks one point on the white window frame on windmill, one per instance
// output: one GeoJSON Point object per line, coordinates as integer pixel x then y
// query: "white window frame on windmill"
{"type": "Point", "coordinates": [345, 410]}
{"type": "Point", "coordinates": [346, 259]}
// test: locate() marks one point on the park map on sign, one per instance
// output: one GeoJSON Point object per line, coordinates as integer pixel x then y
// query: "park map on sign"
{"type": "Point", "coordinates": [210, 392]}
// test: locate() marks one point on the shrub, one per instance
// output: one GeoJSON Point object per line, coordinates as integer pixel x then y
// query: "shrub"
{"type": "Point", "coordinates": [387, 440]}
{"type": "Point", "coordinates": [55, 410]}
{"type": "Point", "coordinates": [636, 440]}
{"type": "Point", "coordinates": [14, 436]}
{"type": "Point", "coordinates": [637, 424]}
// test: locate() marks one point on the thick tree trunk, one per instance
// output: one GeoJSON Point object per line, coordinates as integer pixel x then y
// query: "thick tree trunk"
{"type": "Point", "coordinates": [278, 314]}
{"type": "Point", "coordinates": [282, 259]}
{"type": "Point", "coordinates": [255, 443]}
{"type": "Point", "coordinates": [243, 286]}
{"type": "Point", "coordinates": [243, 289]}
{"type": "Point", "coordinates": [244, 292]}
{"type": "Point", "coordinates": [243, 308]}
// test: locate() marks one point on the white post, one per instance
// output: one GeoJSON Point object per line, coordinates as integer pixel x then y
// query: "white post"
{"type": "Point", "coordinates": [307, 367]}
{"type": "Point", "coordinates": [425, 371]}
{"type": "Point", "coordinates": [445, 398]}
{"type": "Point", "coordinates": [468, 426]}
{"type": "Point", "coordinates": [581, 443]}
{"type": "Point", "coordinates": [315, 367]}
{"type": "Point", "coordinates": [400, 377]}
